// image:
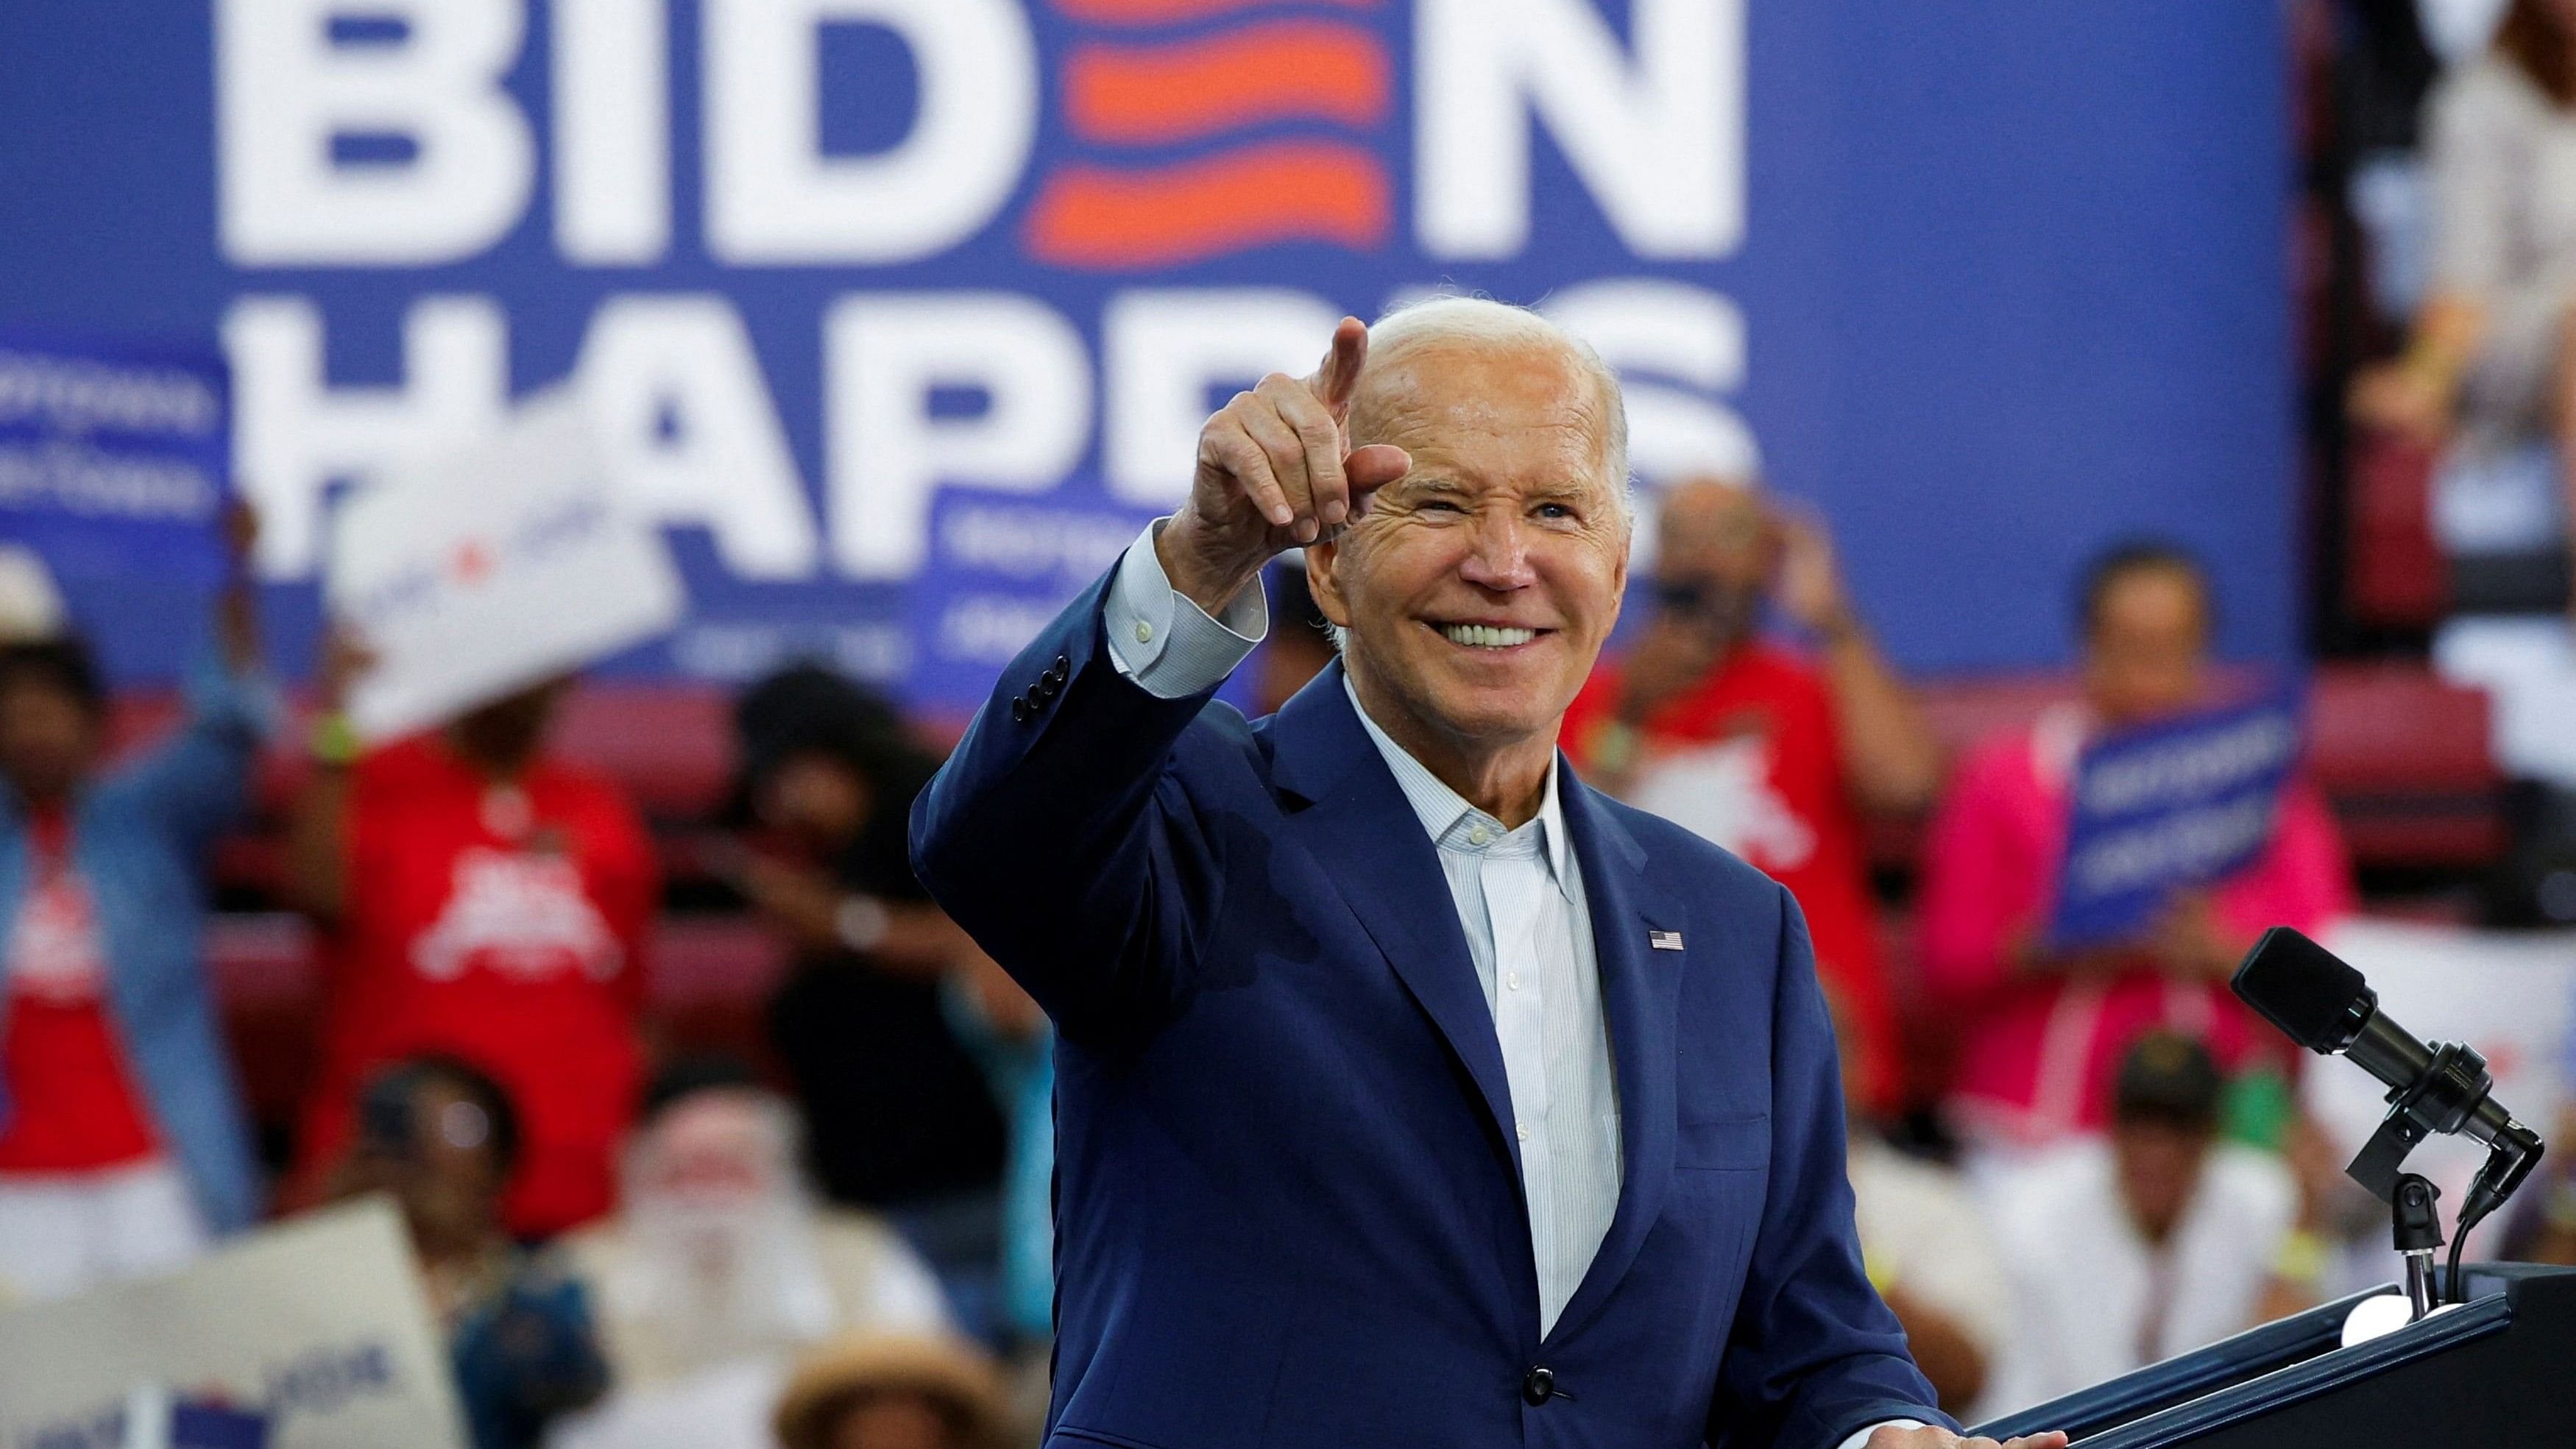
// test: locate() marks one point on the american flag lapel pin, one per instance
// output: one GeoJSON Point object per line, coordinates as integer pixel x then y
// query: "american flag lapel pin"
{"type": "Point", "coordinates": [1664, 940]}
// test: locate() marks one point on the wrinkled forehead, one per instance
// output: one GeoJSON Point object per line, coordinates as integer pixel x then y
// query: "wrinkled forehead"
{"type": "Point", "coordinates": [1487, 414]}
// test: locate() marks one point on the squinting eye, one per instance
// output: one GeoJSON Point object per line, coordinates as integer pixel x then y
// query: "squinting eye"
{"type": "Point", "coordinates": [1437, 505]}
{"type": "Point", "coordinates": [1554, 510]}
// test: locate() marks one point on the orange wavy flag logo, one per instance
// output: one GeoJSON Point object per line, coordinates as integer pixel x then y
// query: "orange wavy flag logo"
{"type": "Point", "coordinates": [1207, 128]}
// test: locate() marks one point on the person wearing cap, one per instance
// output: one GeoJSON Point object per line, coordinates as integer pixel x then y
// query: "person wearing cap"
{"type": "Point", "coordinates": [883, 1391]}
{"type": "Point", "coordinates": [2128, 1249]}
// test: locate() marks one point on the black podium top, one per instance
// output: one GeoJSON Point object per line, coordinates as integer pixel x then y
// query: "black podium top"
{"type": "Point", "coordinates": [2503, 1363]}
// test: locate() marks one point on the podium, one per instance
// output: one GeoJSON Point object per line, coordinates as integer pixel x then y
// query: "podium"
{"type": "Point", "coordinates": [2499, 1369]}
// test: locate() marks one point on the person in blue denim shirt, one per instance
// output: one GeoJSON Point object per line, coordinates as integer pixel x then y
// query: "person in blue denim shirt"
{"type": "Point", "coordinates": [123, 1143]}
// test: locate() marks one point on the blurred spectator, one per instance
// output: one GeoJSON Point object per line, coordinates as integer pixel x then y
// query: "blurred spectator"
{"type": "Point", "coordinates": [892, 1393]}
{"type": "Point", "coordinates": [2491, 360]}
{"type": "Point", "coordinates": [483, 899]}
{"type": "Point", "coordinates": [899, 1114]}
{"type": "Point", "coordinates": [442, 1138]}
{"type": "Point", "coordinates": [2041, 1031]}
{"type": "Point", "coordinates": [718, 1254]}
{"type": "Point", "coordinates": [1924, 1243]}
{"type": "Point", "coordinates": [1298, 647]}
{"type": "Point", "coordinates": [1013, 1040]}
{"type": "Point", "coordinates": [1764, 751]}
{"type": "Point", "coordinates": [123, 1144]}
{"type": "Point", "coordinates": [2126, 1252]}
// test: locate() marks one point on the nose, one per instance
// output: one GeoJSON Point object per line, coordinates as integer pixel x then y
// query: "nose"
{"type": "Point", "coordinates": [1498, 558]}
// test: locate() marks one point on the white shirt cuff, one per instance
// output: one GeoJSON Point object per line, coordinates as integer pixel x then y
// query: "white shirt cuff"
{"type": "Point", "coordinates": [1160, 637]}
{"type": "Point", "coordinates": [1857, 1440]}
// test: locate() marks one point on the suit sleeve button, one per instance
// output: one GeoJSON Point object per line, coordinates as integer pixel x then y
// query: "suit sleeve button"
{"type": "Point", "coordinates": [1019, 709]}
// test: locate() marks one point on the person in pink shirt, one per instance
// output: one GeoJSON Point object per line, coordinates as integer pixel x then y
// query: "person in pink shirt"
{"type": "Point", "coordinates": [2041, 1030]}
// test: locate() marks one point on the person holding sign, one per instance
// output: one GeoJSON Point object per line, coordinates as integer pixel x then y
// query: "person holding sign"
{"type": "Point", "coordinates": [123, 1144]}
{"type": "Point", "coordinates": [484, 899]}
{"type": "Point", "coordinates": [2044, 1019]}
{"type": "Point", "coordinates": [1761, 747]}
{"type": "Point", "coordinates": [1409, 1090]}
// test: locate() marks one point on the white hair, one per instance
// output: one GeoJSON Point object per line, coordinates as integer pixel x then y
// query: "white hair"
{"type": "Point", "coordinates": [1485, 323]}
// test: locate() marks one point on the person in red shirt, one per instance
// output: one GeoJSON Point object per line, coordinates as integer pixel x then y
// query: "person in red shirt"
{"type": "Point", "coordinates": [482, 900]}
{"type": "Point", "coordinates": [1766, 751]}
{"type": "Point", "coordinates": [123, 1145]}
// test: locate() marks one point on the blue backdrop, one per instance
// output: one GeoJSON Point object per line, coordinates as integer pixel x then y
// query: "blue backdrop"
{"type": "Point", "coordinates": [1993, 281]}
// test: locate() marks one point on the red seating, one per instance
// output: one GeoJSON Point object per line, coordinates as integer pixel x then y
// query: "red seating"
{"type": "Point", "coordinates": [2395, 575]}
{"type": "Point", "coordinates": [2402, 755]}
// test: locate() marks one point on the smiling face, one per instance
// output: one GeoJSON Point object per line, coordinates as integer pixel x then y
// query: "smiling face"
{"type": "Point", "coordinates": [1478, 588]}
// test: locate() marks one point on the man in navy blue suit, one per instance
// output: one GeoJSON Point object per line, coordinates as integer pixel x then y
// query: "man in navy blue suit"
{"type": "Point", "coordinates": [1410, 1093]}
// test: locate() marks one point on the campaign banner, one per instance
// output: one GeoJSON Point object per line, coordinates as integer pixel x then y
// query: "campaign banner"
{"type": "Point", "coordinates": [318, 1326]}
{"type": "Point", "coordinates": [1992, 285]}
{"type": "Point", "coordinates": [2167, 806]}
{"type": "Point", "coordinates": [114, 457]}
{"type": "Point", "coordinates": [155, 1418]}
{"type": "Point", "coordinates": [499, 566]}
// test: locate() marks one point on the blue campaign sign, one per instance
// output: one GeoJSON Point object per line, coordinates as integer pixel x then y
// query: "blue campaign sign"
{"type": "Point", "coordinates": [113, 457]}
{"type": "Point", "coordinates": [2164, 807]}
{"type": "Point", "coordinates": [1992, 282]}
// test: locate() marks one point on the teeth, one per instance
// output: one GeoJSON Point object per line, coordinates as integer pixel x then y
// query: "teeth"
{"type": "Point", "coordinates": [1486, 636]}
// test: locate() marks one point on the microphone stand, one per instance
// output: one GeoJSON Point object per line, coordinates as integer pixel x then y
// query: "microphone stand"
{"type": "Point", "coordinates": [2440, 1100]}
{"type": "Point", "coordinates": [2418, 1225]}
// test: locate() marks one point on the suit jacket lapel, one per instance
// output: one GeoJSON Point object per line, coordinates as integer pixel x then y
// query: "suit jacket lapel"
{"type": "Point", "coordinates": [1639, 988]}
{"type": "Point", "coordinates": [1359, 824]}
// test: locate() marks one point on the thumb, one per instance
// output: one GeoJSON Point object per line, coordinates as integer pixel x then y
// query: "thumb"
{"type": "Point", "coordinates": [1338, 375]}
{"type": "Point", "coordinates": [1375, 466]}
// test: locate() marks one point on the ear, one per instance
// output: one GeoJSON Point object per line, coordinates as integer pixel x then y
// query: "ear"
{"type": "Point", "coordinates": [1619, 566]}
{"type": "Point", "coordinates": [1320, 582]}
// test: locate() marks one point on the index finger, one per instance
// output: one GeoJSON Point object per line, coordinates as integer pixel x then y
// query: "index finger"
{"type": "Point", "coordinates": [1338, 376]}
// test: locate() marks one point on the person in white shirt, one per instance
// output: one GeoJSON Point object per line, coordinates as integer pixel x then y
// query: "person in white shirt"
{"type": "Point", "coordinates": [1925, 1244]}
{"type": "Point", "coordinates": [2128, 1250]}
{"type": "Point", "coordinates": [719, 1269]}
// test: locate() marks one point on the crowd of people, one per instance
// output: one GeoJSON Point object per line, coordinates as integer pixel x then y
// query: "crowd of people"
{"type": "Point", "coordinates": [847, 1243]}
{"type": "Point", "coordinates": [2066, 1161]}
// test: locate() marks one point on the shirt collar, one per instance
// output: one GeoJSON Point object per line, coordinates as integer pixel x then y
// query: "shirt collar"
{"type": "Point", "coordinates": [1444, 811]}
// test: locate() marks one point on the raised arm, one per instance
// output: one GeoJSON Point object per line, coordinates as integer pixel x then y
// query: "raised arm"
{"type": "Point", "coordinates": [1057, 835]}
{"type": "Point", "coordinates": [198, 783]}
{"type": "Point", "coordinates": [317, 829]}
{"type": "Point", "coordinates": [1889, 753]}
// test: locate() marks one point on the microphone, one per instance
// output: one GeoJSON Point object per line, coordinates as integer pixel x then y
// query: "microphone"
{"type": "Point", "coordinates": [2323, 1004]}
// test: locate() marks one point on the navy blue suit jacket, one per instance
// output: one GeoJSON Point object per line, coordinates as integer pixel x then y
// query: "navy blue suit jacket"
{"type": "Point", "coordinates": [1288, 1211]}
